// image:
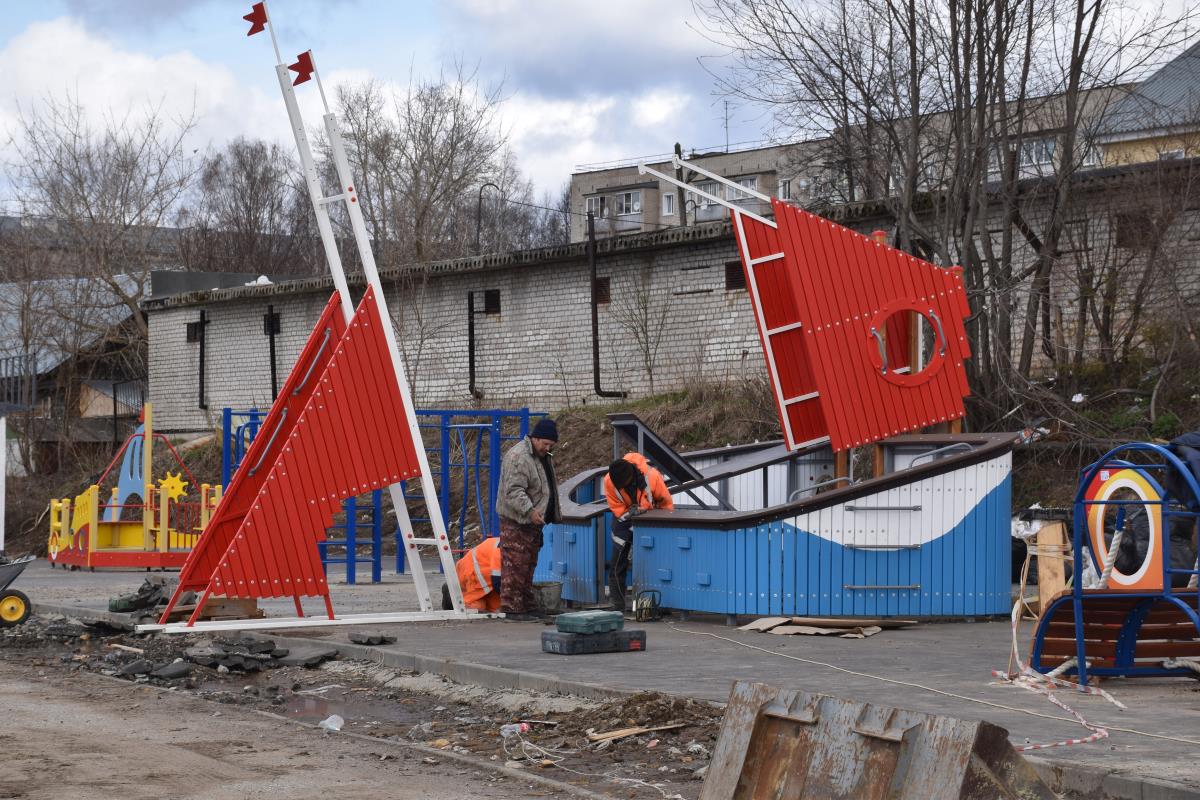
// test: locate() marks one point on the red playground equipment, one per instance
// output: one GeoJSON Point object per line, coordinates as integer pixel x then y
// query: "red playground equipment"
{"type": "Point", "coordinates": [343, 425]}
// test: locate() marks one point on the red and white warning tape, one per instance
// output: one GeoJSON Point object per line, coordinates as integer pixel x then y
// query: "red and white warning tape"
{"type": "Point", "coordinates": [1030, 679]}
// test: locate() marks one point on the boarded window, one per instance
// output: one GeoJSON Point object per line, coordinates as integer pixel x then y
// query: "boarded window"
{"type": "Point", "coordinates": [1134, 230]}
{"type": "Point", "coordinates": [491, 301]}
{"type": "Point", "coordinates": [735, 277]}
{"type": "Point", "coordinates": [603, 290]}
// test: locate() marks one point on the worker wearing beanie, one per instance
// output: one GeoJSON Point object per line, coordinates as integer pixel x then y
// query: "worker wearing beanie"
{"type": "Point", "coordinates": [527, 499]}
{"type": "Point", "coordinates": [631, 486]}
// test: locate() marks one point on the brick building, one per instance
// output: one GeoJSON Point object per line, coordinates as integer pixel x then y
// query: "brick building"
{"type": "Point", "coordinates": [672, 308]}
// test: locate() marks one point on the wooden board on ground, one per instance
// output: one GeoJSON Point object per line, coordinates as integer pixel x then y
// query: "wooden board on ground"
{"type": "Point", "coordinates": [220, 608]}
{"type": "Point", "coordinates": [809, 630]}
{"type": "Point", "coordinates": [1051, 548]}
{"type": "Point", "coordinates": [843, 622]}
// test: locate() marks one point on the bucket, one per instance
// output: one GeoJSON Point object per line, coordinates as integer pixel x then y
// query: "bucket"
{"type": "Point", "coordinates": [548, 596]}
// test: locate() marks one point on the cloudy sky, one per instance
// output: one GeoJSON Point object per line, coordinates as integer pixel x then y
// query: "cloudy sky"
{"type": "Point", "coordinates": [585, 81]}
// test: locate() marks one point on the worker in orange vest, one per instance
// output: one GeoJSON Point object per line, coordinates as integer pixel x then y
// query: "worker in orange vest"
{"type": "Point", "coordinates": [630, 487]}
{"type": "Point", "coordinates": [479, 576]}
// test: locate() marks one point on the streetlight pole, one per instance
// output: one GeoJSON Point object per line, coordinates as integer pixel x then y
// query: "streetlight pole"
{"type": "Point", "coordinates": [479, 211]}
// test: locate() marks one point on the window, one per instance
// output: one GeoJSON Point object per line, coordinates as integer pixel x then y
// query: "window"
{"type": "Point", "coordinates": [1037, 152]}
{"type": "Point", "coordinates": [603, 289]}
{"type": "Point", "coordinates": [1134, 230]}
{"type": "Point", "coordinates": [597, 207]}
{"type": "Point", "coordinates": [491, 301]}
{"type": "Point", "coordinates": [735, 276]}
{"type": "Point", "coordinates": [785, 189]}
{"type": "Point", "coordinates": [192, 332]}
{"type": "Point", "coordinates": [745, 183]}
{"type": "Point", "coordinates": [1168, 155]}
{"type": "Point", "coordinates": [629, 203]}
{"type": "Point", "coordinates": [713, 188]}
{"type": "Point", "coordinates": [271, 323]}
{"type": "Point", "coordinates": [668, 204]}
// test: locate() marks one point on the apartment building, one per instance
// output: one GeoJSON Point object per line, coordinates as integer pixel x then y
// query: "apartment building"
{"type": "Point", "coordinates": [623, 201]}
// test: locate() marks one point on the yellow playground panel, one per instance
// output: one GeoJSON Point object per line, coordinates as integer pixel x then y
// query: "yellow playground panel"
{"type": "Point", "coordinates": [142, 523]}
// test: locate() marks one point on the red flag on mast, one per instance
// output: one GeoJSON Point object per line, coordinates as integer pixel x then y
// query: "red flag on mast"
{"type": "Point", "coordinates": [303, 68]}
{"type": "Point", "coordinates": [257, 19]}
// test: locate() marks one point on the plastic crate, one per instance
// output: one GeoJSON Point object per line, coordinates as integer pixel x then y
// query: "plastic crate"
{"type": "Point", "coordinates": [590, 621]}
{"type": "Point", "coordinates": [573, 644]}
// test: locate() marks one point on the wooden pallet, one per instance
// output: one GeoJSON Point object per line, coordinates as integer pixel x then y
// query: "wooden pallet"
{"type": "Point", "coordinates": [220, 608]}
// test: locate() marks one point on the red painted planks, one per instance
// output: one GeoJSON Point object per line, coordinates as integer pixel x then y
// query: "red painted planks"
{"type": "Point", "coordinates": [821, 299]}
{"type": "Point", "coordinates": [351, 436]}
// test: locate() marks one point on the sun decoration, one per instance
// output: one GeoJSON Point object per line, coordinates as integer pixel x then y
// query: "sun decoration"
{"type": "Point", "coordinates": [173, 486]}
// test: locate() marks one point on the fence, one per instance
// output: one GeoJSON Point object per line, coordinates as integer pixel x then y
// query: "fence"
{"type": "Point", "coordinates": [467, 443]}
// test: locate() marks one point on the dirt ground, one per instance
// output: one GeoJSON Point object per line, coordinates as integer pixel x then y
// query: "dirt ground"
{"type": "Point", "coordinates": [87, 737]}
{"type": "Point", "coordinates": [76, 713]}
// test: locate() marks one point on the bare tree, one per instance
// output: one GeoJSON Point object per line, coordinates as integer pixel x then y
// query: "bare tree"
{"type": "Point", "coordinates": [969, 120]}
{"type": "Point", "coordinates": [640, 310]}
{"type": "Point", "coordinates": [250, 212]}
{"type": "Point", "coordinates": [426, 157]}
{"type": "Point", "coordinates": [109, 190]}
{"type": "Point", "coordinates": [420, 154]}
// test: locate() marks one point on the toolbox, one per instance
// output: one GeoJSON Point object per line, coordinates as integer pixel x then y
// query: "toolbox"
{"type": "Point", "coordinates": [572, 644]}
{"type": "Point", "coordinates": [590, 622]}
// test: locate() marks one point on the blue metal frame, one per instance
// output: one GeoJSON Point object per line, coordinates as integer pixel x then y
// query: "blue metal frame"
{"type": "Point", "coordinates": [235, 440]}
{"type": "Point", "coordinates": [1123, 662]}
{"type": "Point", "coordinates": [467, 428]}
{"type": "Point", "coordinates": [350, 541]}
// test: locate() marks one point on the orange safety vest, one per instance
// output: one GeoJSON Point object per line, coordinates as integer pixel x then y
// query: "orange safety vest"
{"type": "Point", "coordinates": [655, 496]}
{"type": "Point", "coordinates": [475, 570]}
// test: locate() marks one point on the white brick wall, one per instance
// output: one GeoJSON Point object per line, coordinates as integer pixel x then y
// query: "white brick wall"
{"type": "Point", "coordinates": [537, 351]}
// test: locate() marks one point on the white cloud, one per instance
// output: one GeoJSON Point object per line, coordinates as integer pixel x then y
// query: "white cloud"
{"type": "Point", "coordinates": [564, 49]}
{"type": "Point", "coordinates": [550, 136]}
{"type": "Point", "coordinates": [658, 107]}
{"type": "Point", "coordinates": [52, 59]}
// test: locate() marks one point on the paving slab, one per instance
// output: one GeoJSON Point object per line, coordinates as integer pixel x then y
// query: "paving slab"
{"type": "Point", "coordinates": [940, 668]}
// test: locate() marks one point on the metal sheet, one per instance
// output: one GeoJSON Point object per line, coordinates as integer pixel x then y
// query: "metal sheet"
{"type": "Point", "coordinates": [350, 438]}
{"type": "Point", "coordinates": [777, 743]}
{"type": "Point", "coordinates": [824, 297]}
{"type": "Point", "coordinates": [262, 452]}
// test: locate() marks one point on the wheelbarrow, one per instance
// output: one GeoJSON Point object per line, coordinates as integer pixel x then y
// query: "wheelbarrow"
{"type": "Point", "coordinates": [14, 605]}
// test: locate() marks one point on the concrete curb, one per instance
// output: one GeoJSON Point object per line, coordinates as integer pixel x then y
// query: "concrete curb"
{"type": "Point", "coordinates": [1061, 776]}
{"type": "Point", "coordinates": [488, 677]}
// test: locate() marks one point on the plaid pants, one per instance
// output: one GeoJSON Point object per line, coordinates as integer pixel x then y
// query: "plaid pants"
{"type": "Point", "coordinates": [519, 546]}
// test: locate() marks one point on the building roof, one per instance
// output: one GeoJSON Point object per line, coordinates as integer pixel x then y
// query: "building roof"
{"type": "Point", "coordinates": [517, 259]}
{"type": "Point", "coordinates": [56, 318]}
{"type": "Point", "coordinates": [1167, 100]}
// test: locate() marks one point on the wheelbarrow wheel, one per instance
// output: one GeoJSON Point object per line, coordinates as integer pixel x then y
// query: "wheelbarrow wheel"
{"type": "Point", "coordinates": [14, 608]}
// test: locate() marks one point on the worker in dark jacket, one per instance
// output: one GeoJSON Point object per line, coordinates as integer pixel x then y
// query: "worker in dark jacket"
{"type": "Point", "coordinates": [527, 500]}
{"type": "Point", "coordinates": [630, 487]}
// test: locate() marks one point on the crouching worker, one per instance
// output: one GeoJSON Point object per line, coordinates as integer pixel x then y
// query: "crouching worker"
{"type": "Point", "coordinates": [631, 487]}
{"type": "Point", "coordinates": [479, 576]}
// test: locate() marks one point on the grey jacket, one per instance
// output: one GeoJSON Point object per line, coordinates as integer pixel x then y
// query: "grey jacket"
{"type": "Point", "coordinates": [523, 484]}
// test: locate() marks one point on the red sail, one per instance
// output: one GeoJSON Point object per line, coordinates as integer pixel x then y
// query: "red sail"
{"type": "Point", "coordinates": [834, 309]}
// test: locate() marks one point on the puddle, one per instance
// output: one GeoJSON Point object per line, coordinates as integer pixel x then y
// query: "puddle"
{"type": "Point", "coordinates": [362, 711]}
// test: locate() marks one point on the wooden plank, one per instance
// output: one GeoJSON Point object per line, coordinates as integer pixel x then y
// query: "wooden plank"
{"type": "Point", "coordinates": [1051, 546]}
{"type": "Point", "coordinates": [843, 622]}
{"type": "Point", "coordinates": [220, 608]}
